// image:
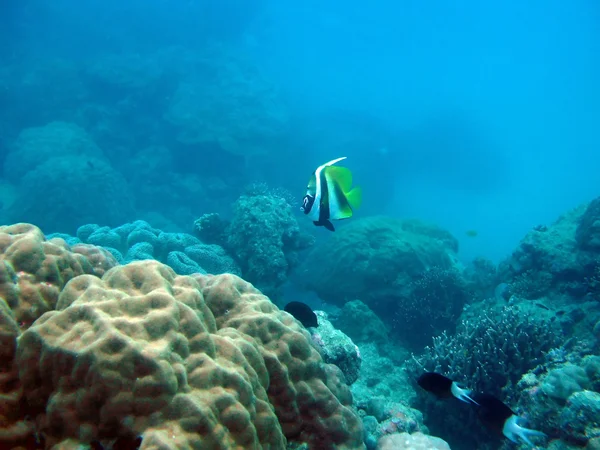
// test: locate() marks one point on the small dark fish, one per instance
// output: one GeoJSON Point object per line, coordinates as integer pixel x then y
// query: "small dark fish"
{"type": "Point", "coordinates": [303, 313]}
{"type": "Point", "coordinates": [472, 233]}
{"type": "Point", "coordinates": [498, 417]}
{"type": "Point", "coordinates": [560, 313]}
{"type": "Point", "coordinates": [541, 305]}
{"type": "Point", "coordinates": [90, 164]}
{"type": "Point", "coordinates": [443, 387]}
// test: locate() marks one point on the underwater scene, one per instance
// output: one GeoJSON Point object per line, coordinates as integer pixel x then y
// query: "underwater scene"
{"type": "Point", "coordinates": [315, 225]}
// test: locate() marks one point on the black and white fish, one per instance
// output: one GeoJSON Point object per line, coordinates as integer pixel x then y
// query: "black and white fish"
{"type": "Point", "coordinates": [444, 387]}
{"type": "Point", "coordinates": [497, 416]}
{"type": "Point", "coordinates": [329, 195]}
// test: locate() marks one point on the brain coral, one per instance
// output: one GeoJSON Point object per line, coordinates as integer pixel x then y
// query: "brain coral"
{"type": "Point", "coordinates": [375, 259]}
{"type": "Point", "coordinates": [182, 361]}
{"type": "Point", "coordinates": [33, 271]}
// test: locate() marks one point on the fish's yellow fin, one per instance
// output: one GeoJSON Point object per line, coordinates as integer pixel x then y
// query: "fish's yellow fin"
{"type": "Point", "coordinates": [340, 175]}
{"type": "Point", "coordinates": [354, 197]}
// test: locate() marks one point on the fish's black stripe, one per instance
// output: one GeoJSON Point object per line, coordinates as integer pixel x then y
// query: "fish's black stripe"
{"type": "Point", "coordinates": [324, 200]}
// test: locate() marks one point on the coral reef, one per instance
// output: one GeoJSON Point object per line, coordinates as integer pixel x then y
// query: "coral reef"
{"type": "Point", "coordinates": [392, 266]}
{"type": "Point", "coordinates": [562, 398]}
{"type": "Point", "coordinates": [211, 228]}
{"type": "Point", "coordinates": [588, 229]}
{"type": "Point", "coordinates": [360, 323]}
{"type": "Point", "coordinates": [415, 441]}
{"type": "Point", "coordinates": [33, 271]}
{"type": "Point", "coordinates": [34, 146]}
{"type": "Point", "coordinates": [336, 348]}
{"type": "Point", "coordinates": [488, 355]}
{"type": "Point", "coordinates": [435, 301]}
{"type": "Point", "coordinates": [382, 375]}
{"type": "Point", "coordinates": [551, 260]}
{"type": "Point", "coordinates": [492, 353]}
{"type": "Point", "coordinates": [63, 162]}
{"type": "Point", "coordinates": [227, 104]}
{"type": "Point", "coordinates": [139, 240]}
{"type": "Point", "coordinates": [83, 189]}
{"type": "Point", "coordinates": [180, 361]}
{"type": "Point", "coordinates": [265, 238]}
{"type": "Point", "coordinates": [482, 278]}
{"type": "Point", "coordinates": [374, 259]}
{"type": "Point", "coordinates": [13, 426]}
{"type": "Point", "coordinates": [384, 417]}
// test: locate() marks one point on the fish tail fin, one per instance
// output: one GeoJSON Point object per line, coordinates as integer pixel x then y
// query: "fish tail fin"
{"type": "Point", "coordinates": [512, 430]}
{"type": "Point", "coordinates": [354, 197]}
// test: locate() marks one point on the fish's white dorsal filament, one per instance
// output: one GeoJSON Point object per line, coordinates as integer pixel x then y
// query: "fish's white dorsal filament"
{"type": "Point", "coordinates": [333, 161]}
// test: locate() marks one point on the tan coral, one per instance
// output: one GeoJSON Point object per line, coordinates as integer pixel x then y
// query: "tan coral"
{"type": "Point", "coordinates": [186, 362]}
{"type": "Point", "coordinates": [415, 441]}
{"type": "Point", "coordinates": [310, 401]}
{"type": "Point", "coordinates": [13, 429]}
{"type": "Point", "coordinates": [34, 270]}
{"type": "Point", "coordinates": [100, 259]}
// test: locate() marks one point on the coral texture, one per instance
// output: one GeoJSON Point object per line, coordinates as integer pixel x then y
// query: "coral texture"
{"type": "Point", "coordinates": [374, 259]}
{"type": "Point", "coordinates": [404, 270]}
{"type": "Point", "coordinates": [492, 353]}
{"type": "Point", "coordinates": [337, 348]}
{"type": "Point", "coordinates": [415, 441]}
{"type": "Point", "coordinates": [138, 240]}
{"type": "Point", "coordinates": [265, 237]}
{"type": "Point", "coordinates": [361, 324]}
{"type": "Point", "coordinates": [33, 271]}
{"type": "Point", "coordinates": [562, 399]}
{"type": "Point", "coordinates": [554, 259]}
{"type": "Point", "coordinates": [61, 161]}
{"type": "Point", "coordinates": [36, 145]}
{"type": "Point", "coordinates": [226, 103]}
{"type": "Point", "coordinates": [588, 230]}
{"type": "Point", "coordinates": [434, 303]}
{"type": "Point", "coordinates": [82, 189]}
{"type": "Point", "coordinates": [182, 361]}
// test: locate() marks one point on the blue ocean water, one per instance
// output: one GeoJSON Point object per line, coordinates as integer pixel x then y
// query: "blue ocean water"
{"type": "Point", "coordinates": [471, 115]}
{"type": "Point", "coordinates": [479, 118]}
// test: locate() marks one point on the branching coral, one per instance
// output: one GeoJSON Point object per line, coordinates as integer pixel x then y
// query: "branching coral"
{"type": "Point", "coordinates": [491, 354]}
{"type": "Point", "coordinates": [435, 300]}
{"type": "Point", "coordinates": [488, 355]}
